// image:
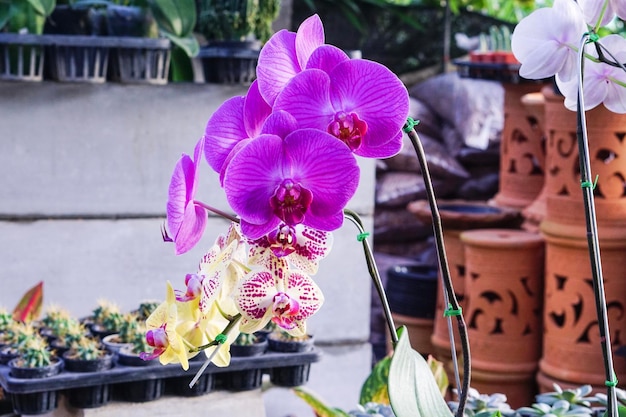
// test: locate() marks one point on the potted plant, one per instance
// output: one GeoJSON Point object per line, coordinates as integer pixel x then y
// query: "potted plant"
{"type": "Point", "coordinates": [148, 389]}
{"type": "Point", "coordinates": [106, 319]}
{"type": "Point", "coordinates": [127, 328]}
{"type": "Point", "coordinates": [21, 50]}
{"type": "Point", "coordinates": [246, 345]}
{"type": "Point", "coordinates": [55, 322]}
{"type": "Point", "coordinates": [17, 335]}
{"type": "Point", "coordinates": [6, 323]}
{"type": "Point", "coordinates": [34, 361]}
{"type": "Point", "coordinates": [86, 355]}
{"type": "Point", "coordinates": [67, 336]}
{"type": "Point", "coordinates": [234, 32]}
{"type": "Point", "coordinates": [281, 341]}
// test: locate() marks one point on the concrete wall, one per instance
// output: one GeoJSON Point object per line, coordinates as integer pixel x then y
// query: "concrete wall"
{"type": "Point", "coordinates": [85, 171]}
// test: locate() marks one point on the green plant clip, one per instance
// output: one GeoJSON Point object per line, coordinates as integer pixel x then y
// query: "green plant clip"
{"type": "Point", "coordinates": [612, 383]}
{"type": "Point", "coordinates": [593, 37]}
{"type": "Point", "coordinates": [449, 312]}
{"type": "Point", "coordinates": [589, 184]}
{"type": "Point", "coordinates": [220, 338]}
{"type": "Point", "coordinates": [362, 236]}
{"type": "Point", "coordinates": [410, 124]}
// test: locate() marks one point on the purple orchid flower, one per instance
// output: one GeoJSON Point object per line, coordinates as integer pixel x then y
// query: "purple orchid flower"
{"type": "Point", "coordinates": [235, 121]}
{"type": "Point", "coordinates": [360, 102]}
{"type": "Point", "coordinates": [287, 53]}
{"type": "Point", "coordinates": [186, 219]}
{"type": "Point", "coordinates": [306, 178]}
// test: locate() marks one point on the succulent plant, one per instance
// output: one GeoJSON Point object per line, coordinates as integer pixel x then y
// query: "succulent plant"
{"type": "Point", "coordinates": [72, 333]}
{"type": "Point", "coordinates": [575, 396]}
{"type": "Point", "coordinates": [138, 339]}
{"type": "Point", "coordinates": [57, 320]}
{"type": "Point", "coordinates": [561, 408]}
{"type": "Point", "coordinates": [34, 352]}
{"type": "Point", "coordinates": [484, 405]}
{"type": "Point", "coordinates": [372, 410]}
{"type": "Point", "coordinates": [6, 319]}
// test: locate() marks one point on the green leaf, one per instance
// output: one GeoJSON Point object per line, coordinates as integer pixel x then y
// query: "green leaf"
{"type": "Point", "coordinates": [178, 17]}
{"type": "Point", "coordinates": [374, 389]}
{"type": "Point", "coordinates": [413, 390]}
{"type": "Point", "coordinates": [188, 44]}
{"type": "Point", "coordinates": [43, 7]}
{"type": "Point", "coordinates": [321, 409]}
{"type": "Point", "coordinates": [5, 13]}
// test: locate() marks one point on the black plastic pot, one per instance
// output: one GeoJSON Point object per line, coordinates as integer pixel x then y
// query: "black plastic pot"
{"type": "Point", "coordinates": [36, 402]}
{"type": "Point", "coordinates": [140, 391]}
{"type": "Point", "coordinates": [67, 20]}
{"type": "Point", "coordinates": [180, 385]}
{"type": "Point", "coordinates": [290, 376]}
{"type": "Point", "coordinates": [412, 290]}
{"type": "Point", "coordinates": [230, 62]}
{"type": "Point", "coordinates": [289, 346]}
{"type": "Point", "coordinates": [91, 396]}
{"type": "Point", "coordinates": [126, 21]}
{"type": "Point", "coordinates": [244, 380]}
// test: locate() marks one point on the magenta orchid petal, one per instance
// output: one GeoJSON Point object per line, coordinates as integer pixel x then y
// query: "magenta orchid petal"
{"type": "Point", "coordinates": [186, 221]}
{"type": "Point", "coordinates": [255, 111]}
{"type": "Point", "coordinates": [309, 37]}
{"type": "Point", "coordinates": [326, 57]}
{"type": "Point", "coordinates": [255, 230]}
{"type": "Point", "coordinates": [277, 64]}
{"type": "Point", "coordinates": [223, 131]}
{"type": "Point", "coordinates": [280, 123]}
{"type": "Point", "coordinates": [393, 147]}
{"type": "Point", "coordinates": [313, 164]}
{"type": "Point", "coordinates": [375, 94]}
{"type": "Point", "coordinates": [307, 99]}
{"type": "Point", "coordinates": [238, 146]}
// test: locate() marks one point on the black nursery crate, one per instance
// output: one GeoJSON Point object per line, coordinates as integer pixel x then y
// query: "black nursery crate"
{"type": "Point", "coordinates": [122, 374]}
{"type": "Point", "coordinates": [76, 58]}
{"type": "Point", "coordinates": [228, 64]}
{"type": "Point", "coordinates": [21, 57]}
{"type": "Point", "coordinates": [141, 60]}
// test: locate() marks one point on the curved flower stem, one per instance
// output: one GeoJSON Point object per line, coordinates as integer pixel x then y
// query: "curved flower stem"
{"type": "Point", "coordinates": [443, 265]}
{"type": "Point", "coordinates": [373, 270]}
{"type": "Point", "coordinates": [593, 241]}
{"type": "Point", "coordinates": [217, 211]}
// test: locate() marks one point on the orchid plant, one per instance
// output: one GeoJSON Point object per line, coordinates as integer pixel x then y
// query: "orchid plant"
{"type": "Point", "coordinates": [286, 154]}
{"type": "Point", "coordinates": [553, 41]}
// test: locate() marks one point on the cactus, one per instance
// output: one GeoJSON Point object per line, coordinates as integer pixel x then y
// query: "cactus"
{"type": "Point", "coordinates": [34, 352]}
{"type": "Point", "coordinates": [86, 349]}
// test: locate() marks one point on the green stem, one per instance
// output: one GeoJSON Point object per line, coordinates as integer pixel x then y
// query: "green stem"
{"type": "Point", "coordinates": [373, 271]}
{"type": "Point", "coordinates": [593, 242]}
{"type": "Point", "coordinates": [226, 330]}
{"type": "Point", "coordinates": [443, 265]}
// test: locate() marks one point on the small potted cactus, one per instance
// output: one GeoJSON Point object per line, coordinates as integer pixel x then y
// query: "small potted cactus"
{"type": "Point", "coordinates": [87, 355]}
{"type": "Point", "coordinates": [34, 361]}
{"type": "Point", "coordinates": [128, 325]}
{"type": "Point", "coordinates": [107, 319]}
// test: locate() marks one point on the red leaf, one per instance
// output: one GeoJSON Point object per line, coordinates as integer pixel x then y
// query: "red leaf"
{"type": "Point", "coordinates": [29, 306]}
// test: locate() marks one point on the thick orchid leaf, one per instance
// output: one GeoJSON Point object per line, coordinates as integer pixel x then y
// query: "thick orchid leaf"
{"type": "Point", "coordinates": [5, 13]}
{"type": "Point", "coordinates": [188, 44]}
{"type": "Point", "coordinates": [177, 17]}
{"type": "Point", "coordinates": [413, 391]}
{"type": "Point", "coordinates": [374, 389]}
{"type": "Point", "coordinates": [29, 306]}
{"type": "Point", "coordinates": [317, 404]}
{"type": "Point", "coordinates": [43, 7]}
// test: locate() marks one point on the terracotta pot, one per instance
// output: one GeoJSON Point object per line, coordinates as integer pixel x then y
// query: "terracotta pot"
{"type": "Point", "coordinates": [458, 216]}
{"type": "Point", "coordinates": [606, 148]}
{"type": "Point", "coordinates": [504, 286]}
{"type": "Point", "coordinates": [571, 345]}
{"type": "Point", "coordinates": [522, 150]}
